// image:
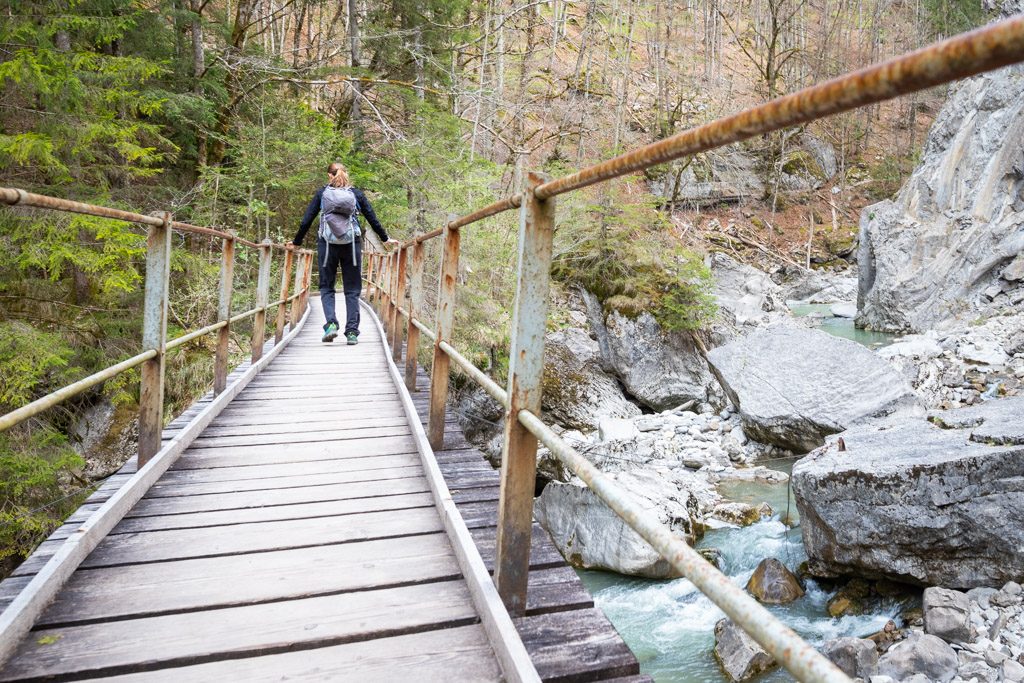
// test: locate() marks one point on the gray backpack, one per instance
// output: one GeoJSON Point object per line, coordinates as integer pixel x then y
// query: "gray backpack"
{"type": "Point", "coordinates": [338, 224]}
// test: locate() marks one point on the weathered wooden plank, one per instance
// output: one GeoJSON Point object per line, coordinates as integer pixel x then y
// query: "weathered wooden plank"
{"type": "Point", "coordinates": [312, 426]}
{"type": "Point", "coordinates": [580, 645]}
{"type": "Point", "coordinates": [328, 415]}
{"type": "Point", "coordinates": [208, 583]}
{"type": "Point", "coordinates": [241, 456]}
{"type": "Point", "coordinates": [321, 394]}
{"type": "Point", "coordinates": [237, 502]}
{"type": "Point", "coordinates": [110, 648]}
{"type": "Point", "coordinates": [543, 555]}
{"type": "Point", "coordinates": [340, 433]}
{"type": "Point", "coordinates": [429, 657]}
{"type": "Point", "coordinates": [154, 546]}
{"type": "Point", "coordinates": [336, 474]}
{"type": "Point", "coordinates": [270, 513]}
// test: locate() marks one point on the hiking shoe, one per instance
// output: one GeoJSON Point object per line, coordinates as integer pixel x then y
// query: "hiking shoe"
{"type": "Point", "coordinates": [352, 338]}
{"type": "Point", "coordinates": [330, 332]}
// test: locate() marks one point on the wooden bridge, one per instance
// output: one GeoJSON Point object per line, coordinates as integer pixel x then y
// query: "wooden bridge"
{"type": "Point", "coordinates": [320, 516]}
{"type": "Point", "coordinates": [311, 532]}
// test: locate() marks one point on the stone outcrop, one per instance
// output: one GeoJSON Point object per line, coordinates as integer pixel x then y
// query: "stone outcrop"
{"type": "Point", "coordinates": [590, 535]}
{"type": "Point", "coordinates": [948, 241]}
{"type": "Point", "coordinates": [793, 386]}
{"type": "Point", "coordinates": [773, 584]}
{"type": "Point", "coordinates": [739, 655]}
{"type": "Point", "coordinates": [662, 370]}
{"type": "Point", "coordinates": [578, 394]}
{"type": "Point", "coordinates": [915, 502]}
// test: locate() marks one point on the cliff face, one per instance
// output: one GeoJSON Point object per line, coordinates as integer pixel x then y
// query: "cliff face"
{"type": "Point", "coordinates": [943, 247]}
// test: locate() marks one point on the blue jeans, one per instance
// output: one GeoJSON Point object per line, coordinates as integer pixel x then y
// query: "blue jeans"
{"type": "Point", "coordinates": [351, 280]}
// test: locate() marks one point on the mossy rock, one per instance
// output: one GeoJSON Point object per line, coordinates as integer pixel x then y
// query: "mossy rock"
{"type": "Point", "coordinates": [800, 161]}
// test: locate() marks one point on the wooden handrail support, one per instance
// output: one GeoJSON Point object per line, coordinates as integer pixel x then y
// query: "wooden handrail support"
{"type": "Point", "coordinates": [526, 371]}
{"type": "Point", "coordinates": [412, 335]}
{"type": "Point", "coordinates": [154, 338]}
{"type": "Point", "coordinates": [445, 323]}
{"type": "Point", "coordinates": [259, 323]}
{"type": "Point", "coordinates": [282, 313]}
{"type": "Point", "coordinates": [227, 278]}
{"type": "Point", "coordinates": [402, 256]}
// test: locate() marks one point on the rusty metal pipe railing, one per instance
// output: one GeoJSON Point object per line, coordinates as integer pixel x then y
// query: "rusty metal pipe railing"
{"type": "Point", "coordinates": [39, 405]}
{"type": "Point", "coordinates": [788, 648]}
{"type": "Point", "coordinates": [965, 55]}
{"type": "Point", "coordinates": [494, 209]}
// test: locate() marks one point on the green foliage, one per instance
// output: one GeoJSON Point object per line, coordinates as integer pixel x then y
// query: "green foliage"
{"type": "Point", "coordinates": [626, 257]}
{"type": "Point", "coordinates": [949, 17]}
{"type": "Point", "coordinates": [29, 359]}
{"type": "Point", "coordinates": [34, 474]}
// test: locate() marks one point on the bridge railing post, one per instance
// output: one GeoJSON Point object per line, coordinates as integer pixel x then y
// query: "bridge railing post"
{"type": "Point", "coordinates": [526, 371]}
{"type": "Point", "coordinates": [371, 266]}
{"type": "Point", "coordinates": [296, 306]}
{"type": "Point", "coordinates": [154, 337]}
{"type": "Point", "coordinates": [402, 256]}
{"type": "Point", "coordinates": [445, 324]}
{"type": "Point", "coordinates": [392, 286]}
{"type": "Point", "coordinates": [282, 308]}
{"type": "Point", "coordinates": [412, 334]}
{"type": "Point", "coordinates": [259, 322]}
{"type": "Point", "coordinates": [307, 279]}
{"type": "Point", "coordinates": [385, 293]}
{"type": "Point", "coordinates": [227, 276]}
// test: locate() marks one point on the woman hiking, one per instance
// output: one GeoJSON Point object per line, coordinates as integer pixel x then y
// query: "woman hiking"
{"type": "Point", "coordinates": [339, 242]}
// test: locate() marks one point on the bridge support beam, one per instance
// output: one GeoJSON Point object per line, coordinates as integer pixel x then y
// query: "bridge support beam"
{"type": "Point", "coordinates": [282, 308]}
{"type": "Point", "coordinates": [445, 323]}
{"type": "Point", "coordinates": [402, 256]}
{"type": "Point", "coordinates": [296, 308]}
{"type": "Point", "coordinates": [526, 372]}
{"type": "Point", "coordinates": [412, 335]}
{"type": "Point", "coordinates": [227, 276]}
{"type": "Point", "coordinates": [259, 321]}
{"type": "Point", "coordinates": [154, 338]}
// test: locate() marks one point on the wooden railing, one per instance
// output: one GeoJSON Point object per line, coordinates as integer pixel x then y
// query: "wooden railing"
{"type": "Point", "coordinates": [398, 290]}
{"type": "Point", "coordinates": [155, 344]}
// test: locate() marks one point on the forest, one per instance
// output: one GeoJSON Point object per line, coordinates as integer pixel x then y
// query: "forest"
{"type": "Point", "coordinates": [227, 112]}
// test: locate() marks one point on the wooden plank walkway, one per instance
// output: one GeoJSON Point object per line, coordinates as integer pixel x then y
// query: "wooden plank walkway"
{"type": "Point", "coordinates": [298, 537]}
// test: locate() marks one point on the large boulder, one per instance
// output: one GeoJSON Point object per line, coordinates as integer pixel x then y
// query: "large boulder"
{"type": "Point", "coordinates": [660, 369]}
{"type": "Point", "coordinates": [726, 175]}
{"type": "Point", "coordinates": [926, 655]}
{"type": "Point", "coordinates": [591, 536]}
{"type": "Point", "coordinates": [773, 584]}
{"type": "Point", "coordinates": [793, 386]}
{"type": "Point", "coordinates": [578, 394]}
{"type": "Point", "coordinates": [915, 502]}
{"type": "Point", "coordinates": [940, 248]}
{"type": "Point", "coordinates": [739, 655]}
{"type": "Point", "coordinates": [744, 294]}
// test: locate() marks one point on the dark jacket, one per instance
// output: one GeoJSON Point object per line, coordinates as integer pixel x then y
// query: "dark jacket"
{"type": "Point", "coordinates": [364, 208]}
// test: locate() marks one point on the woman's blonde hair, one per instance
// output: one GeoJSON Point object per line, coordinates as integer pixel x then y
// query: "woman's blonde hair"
{"type": "Point", "coordinates": [339, 175]}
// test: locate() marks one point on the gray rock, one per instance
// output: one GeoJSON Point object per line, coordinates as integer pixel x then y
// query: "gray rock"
{"type": "Point", "coordinates": [1011, 670]}
{"type": "Point", "coordinates": [816, 287]}
{"type": "Point", "coordinates": [913, 502]}
{"type": "Point", "coordinates": [662, 370]}
{"type": "Point", "coordinates": [743, 293]}
{"type": "Point", "coordinates": [590, 536]}
{"type": "Point", "coordinates": [577, 392]}
{"type": "Point", "coordinates": [920, 654]}
{"type": "Point", "coordinates": [844, 310]}
{"type": "Point", "coordinates": [857, 657]}
{"type": "Point", "coordinates": [981, 595]}
{"type": "Point", "coordinates": [617, 429]}
{"type": "Point", "coordinates": [824, 386]}
{"type": "Point", "coordinates": [947, 614]}
{"type": "Point", "coordinates": [739, 655]}
{"type": "Point", "coordinates": [728, 175]}
{"type": "Point", "coordinates": [956, 224]}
